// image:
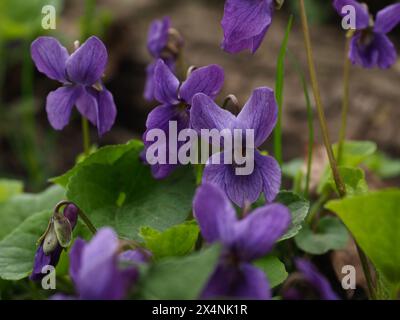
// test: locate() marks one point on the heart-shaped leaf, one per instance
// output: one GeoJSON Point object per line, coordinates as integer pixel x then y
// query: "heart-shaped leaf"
{"type": "Point", "coordinates": [330, 234]}
{"type": "Point", "coordinates": [119, 191]}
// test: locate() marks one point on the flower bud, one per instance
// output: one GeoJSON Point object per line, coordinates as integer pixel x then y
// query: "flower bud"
{"type": "Point", "coordinates": [63, 229]}
{"type": "Point", "coordinates": [71, 213]}
{"type": "Point", "coordinates": [50, 242]}
{"type": "Point", "coordinates": [279, 4]}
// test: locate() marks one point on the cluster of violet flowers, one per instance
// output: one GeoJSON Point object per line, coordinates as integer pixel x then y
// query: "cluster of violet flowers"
{"type": "Point", "coordinates": [102, 269]}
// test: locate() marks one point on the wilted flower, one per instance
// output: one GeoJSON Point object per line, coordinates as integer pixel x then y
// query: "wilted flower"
{"type": "Point", "coordinates": [243, 241]}
{"type": "Point", "coordinates": [176, 99]}
{"type": "Point", "coordinates": [259, 114]}
{"type": "Point", "coordinates": [161, 45]}
{"type": "Point", "coordinates": [100, 271]}
{"type": "Point", "coordinates": [370, 46]}
{"type": "Point", "coordinates": [245, 24]}
{"type": "Point", "coordinates": [80, 74]}
{"type": "Point", "coordinates": [308, 284]}
{"type": "Point", "coordinates": [54, 240]}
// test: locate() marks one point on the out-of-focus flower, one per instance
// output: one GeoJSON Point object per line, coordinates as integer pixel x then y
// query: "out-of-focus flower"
{"type": "Point", "coordinates": [308, 284]}
{"type": "Point", "coordinates": [80, 74]}
{"type": "Point", "coordinates": [162, 43]}
{"type": "Point", "coordinates": [260, 115]}
{"type": "Point", "coordinates": [370, 46]}
{"type": "Point", "coordinates": [50, 246]}
{"type": "Point", "coordinates": [245, 24]}
{"type": "Point", "coordinates": [175, 100]}
{"type": "Point", "coordinates": [243, 241]}
{"type": "Point", "coordinates": [100, 271]}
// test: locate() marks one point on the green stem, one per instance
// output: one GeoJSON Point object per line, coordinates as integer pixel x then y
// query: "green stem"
{"type": "Point", "coordinates": [88, 18]}
{"type": "Point", "coordinates": [346, 95]}
{"type": "Point", "coordinates": [87, 221]}
{"type": "Point", "coordinates": [279, 83]}
{"type": "Point", "coordinates": [317, 95]}
{"type": "Point", "coordinates": [310, 122]}
{"type": "Point", "coordinates": [367, 273]}
{"type": "Point", "coordinates": [318, 101]}
{"type": "Point", "coordinates": [86, 29]}
{"type": "Point", "coordinates": [85, 136]}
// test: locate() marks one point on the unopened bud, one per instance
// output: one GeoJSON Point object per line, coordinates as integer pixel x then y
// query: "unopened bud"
{"type": "Point", "coordinates": [63, 229]}
{"type": "Point", "coordinates": [279, 4]}
{"type": "Point", "coordinates": [50, 242]}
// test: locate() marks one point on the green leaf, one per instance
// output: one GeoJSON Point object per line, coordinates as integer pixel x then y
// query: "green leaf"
{"type": "Point", "coordinates": [121, 192]}
{"type": "Point", "coordinates": [298, 207]}
{"type": "Point", "coordinates": [384, 166]}
{"type": "Point", "coordinates": [178, 240]}
{"type": "Point", "coordinates": [374, 221]}
{"type": "Point", "coordinates": [355, 152]}
{"type": "Point", "coordinates": [330, 235]}
{"type": "Point", "coordinates": [18, 208]}
{"type": "Point", "coordinates": [105, 155]}
{"type": "Point", "coordinates": [10, 188]}
{"type": "Point", "coordinates": [17, 250]}
{"type": "Point", "coordinates": [180, 278]}
{"type": "Point", "coordinates": [279, 83]}
{"type": "Point", "coordinates": [354, 180]}
{"type": "Point", "coordinates": [273, 268]}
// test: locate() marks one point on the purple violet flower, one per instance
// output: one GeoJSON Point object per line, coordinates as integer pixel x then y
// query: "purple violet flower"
{"type": "Point", "coordinates": [80, 74]}
{"type": "Point", "coordinates": [157, 44]}
{"type": "Point", "coordinates": [99, 271]}
{"type": "Point", "coordinates": [243, 242]}
{"type": "Point", "coordinates": [370, 46]}
{"type": "Point", "coordinates": [311, 283]}
{"type": "Point", "coordinates": [176, 99]}
{"type": "Point", "coordinates": [41, 259]}
{"type": "Point", "coordinates": [259, 114]}
{"type": "Point", "coordinates": [245, 24]}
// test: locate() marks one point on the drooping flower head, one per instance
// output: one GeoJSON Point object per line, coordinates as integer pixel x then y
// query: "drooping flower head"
{"type": "Point", "coordinates": [100, 271]}
{"type": "Point", "coordinates": [308, 284]}
{"type": "Point", "coordinates": [50, 248]}
{"type": "Point", "coordinates": [370, 45]}
{"type": "Point", "coordinates": [243, 242]}
{"type": "Point", "coordinates": [176, 100]}
{"type": "Point", "coordinates": [245, 24]}
{"type": "Point", "coordinates": [80, 75]}
{"type": "Point", "coordinates": [260, 115]}
{"type": "Point", "coordinates": [164, 43]}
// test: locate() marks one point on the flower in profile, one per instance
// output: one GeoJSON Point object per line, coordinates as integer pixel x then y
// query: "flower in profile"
{"type": "Point", "coordinates": [258, 115]}
{"type": "Point", "coordinates": [245, 24]}
{"type": "Point", "coordinates": [308, 284]}
{"type": "Point", "coordinates": [80, 74]}
{"type": "Point", "coordinates": [243, 241]}
{"type": "Point", "coordinates": [176, 100]}
{"type": "Point", "coordinates": [56, 237]}
{"type": "Point", "coordinates": [162, 43]}
{"type": "Point", "coordinates": [100, 271]}
{"type": "Point", "coordinates": [370, 46]}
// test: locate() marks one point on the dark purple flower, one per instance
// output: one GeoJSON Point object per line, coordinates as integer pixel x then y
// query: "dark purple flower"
{"type": "Point", "coordinates": [176, 99]}
{"type": "Point", "coordinates": [309, 285]}
{"type": "Point", "coordinates": [259, 114]}
{"type": "Point", "coordinates": [245, 24]}
{"type": "Point", "coordinates": [80, 74]}
{"type": "Point", "coordinates": [160, 46]}
{"type": "Point", "coordinates": [41, 259]}
{"type": "Point", "coordinates": [243, 241]}
{"type": "Point", "coordinates": [370, 46]}
{"type": "Point", "coordinates": [99, 271]}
